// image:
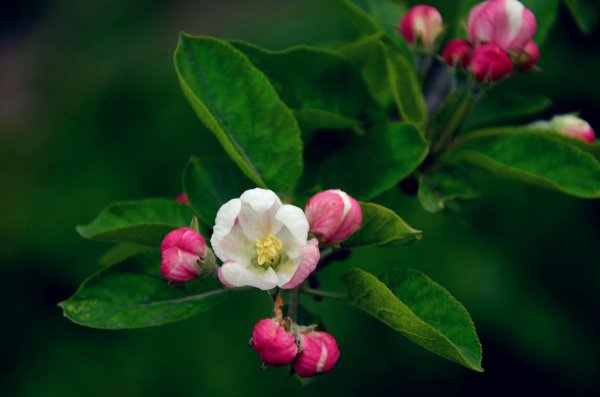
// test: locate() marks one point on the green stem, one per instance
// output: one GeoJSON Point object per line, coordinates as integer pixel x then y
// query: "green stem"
{"type": "Point", "coordinates": [294, 301]}
{"type": "Point", "coordinates": [323, 294]}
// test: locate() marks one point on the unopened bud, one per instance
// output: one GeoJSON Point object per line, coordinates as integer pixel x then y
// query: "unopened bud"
{"type": "Point", "coordinates": [422, 25]}
{"type": "Point", "coordinates": [185, 256]}
{"type": "Point", "coordinates": [490, 63]}
{"type": "Point", "coordinates": [273, 343]}
{"type": "Point", "coordinates": [573, 126]}
{"type": "Point", "coordinates": [319, 353]}
{"type": "Point", "coordinates": [458, 52]}
{"type": "Point", "coordinates": [528, 57]}
{"type": "Point", "coordinates": [506, 23]}
{"type": "Point", "coordinates": [333, 216]}
{"type": "Point", "coordinates": [182, 198]}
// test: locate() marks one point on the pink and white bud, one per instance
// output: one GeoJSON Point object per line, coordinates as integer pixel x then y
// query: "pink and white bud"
{"type": "Point", "coordinates": [506, 23]}
{"type": "Point", "coordinates": [182, 198]}
{"type": "Point", "coordinates": [273, 343]}
{"type": "Point", "coordinates": [573, 126]}
{"type": "Point", "coordinates": [457, 52]}
{"type": "Point", "coordinates": [185, 256]}
{"type": "Point", "coordinates": [333, 216]}
{"type": "Point", "coordinates": [490, 63]}
{"type": "Point", "coordinates": [529, 57]}
{"type": "Point", "coordinates": [319, 353]}
{"type": "Point", "coordinates": [422, 25]}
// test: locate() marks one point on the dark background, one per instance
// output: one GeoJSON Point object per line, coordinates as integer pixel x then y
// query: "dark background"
{"type": "Point", "coordinates": [91, 113]}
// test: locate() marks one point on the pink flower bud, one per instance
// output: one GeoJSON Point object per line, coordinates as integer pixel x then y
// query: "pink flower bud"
{"type": "Point", "coordinates": [333, 216]}
{"type": "Point", "coordinates": [182, 198]}
{"type": "Point", "coordinates": [422, 25]}
{"type": "Point", "coordinates": [506, 23]}
{"type": "Point", "coordinates": [573, 126]}
{"type": "Point", "coordinates": [490, 63]}
{"type": "Point", "coordinates": [458, 52]}
{"type": "Point", "coordinates": [273, 343]}
{"type": "Point", "coordinates": [319, 353]}
{"type": "Point", "coordinates": [529, 57]}
{"type": "Point", "coordinates": [185, 256]}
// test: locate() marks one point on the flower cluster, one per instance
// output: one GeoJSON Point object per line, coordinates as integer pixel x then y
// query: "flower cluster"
{"type": "Point", "coordinates": [266, 244]}
{"type": "Point", "coordinates": [500, 38]}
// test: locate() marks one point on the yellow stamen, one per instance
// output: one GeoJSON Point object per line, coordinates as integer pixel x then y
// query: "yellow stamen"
{"type": "Point", "coordinates": [267, 250]}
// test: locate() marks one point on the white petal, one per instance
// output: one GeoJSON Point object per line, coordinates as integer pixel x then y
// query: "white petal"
{"type": "Point", "coordinates": [238, 275]}
{"type": "Point", "coordinates": [234, 246]}
{"type": "Point", "coordinates": [307, 265]}
{"type": "Point", "coordinates": [295, 221]}
{"type": "Point", "coordinates": [260, 199]}
{"type": "Point", "coordinates": [225, 219]}
{"type": "Point", "coordinates": [257, 225]}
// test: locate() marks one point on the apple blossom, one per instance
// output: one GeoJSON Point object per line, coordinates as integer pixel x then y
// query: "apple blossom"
{"type": "Point", "coordinates": [273, 343]}
{"type": "Point", "coordinates": [506, 23]}
{"type": "Point", "coordinates": [262, 242]}
{"type": "Point", "coordinates": [490, 63]}
{"type": "Point", "coordinates": [422, 25]}
{"type": "Point", "coordinates": [319, 353]}
{"type": "Point", "coordinates": [185, 256]}
{"type": "Point", "coordinates": [333, 216]}
{"type": "Point", "coordinates": [457, 52]}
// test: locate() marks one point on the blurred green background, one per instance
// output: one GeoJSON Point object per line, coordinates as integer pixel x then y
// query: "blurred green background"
{"type": "Point", "coordinates": [91, 112]}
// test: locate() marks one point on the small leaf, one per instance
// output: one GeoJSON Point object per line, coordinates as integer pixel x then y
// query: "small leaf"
{"type": "Point", "coordinates": [211, 182]}
{"type": "Point", "coordinates": [420, 309]}
{"type": "Point", "coordinates": [381, 227]}
{"type": "Point", "coordinates": [143, 222]}
{"type": "Point", "coordinates": [405, 86]}
{"type": "Point", "coordinates": [585, 13]}
{"type": "Point", "coordinates": [440, 188]}
{"type": "Point", "coordinates": [312, 78]}
{"type": "Point", "coordinates": [504, 108]}
{"type": "Point", "coordinates": [237, 103]}
{"type": "Point", "coordinates": [134, 294]}
{"type": "Point", "coordinates": [534, 156]}
{"type": "Point", "coordinates": [371, 164]}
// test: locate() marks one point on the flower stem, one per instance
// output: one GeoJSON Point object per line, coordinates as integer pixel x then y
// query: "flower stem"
{"type": "Point", "coordinates": [324, 294]}
{"type": "Point", "coordinates": [294, 301]}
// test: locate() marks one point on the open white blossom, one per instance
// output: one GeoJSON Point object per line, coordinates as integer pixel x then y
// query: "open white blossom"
{"type": "Point", "coordinates": [262, 242]}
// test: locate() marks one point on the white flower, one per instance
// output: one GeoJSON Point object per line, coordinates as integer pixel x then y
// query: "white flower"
{"type": "Point", "coordinates": [262, 242]}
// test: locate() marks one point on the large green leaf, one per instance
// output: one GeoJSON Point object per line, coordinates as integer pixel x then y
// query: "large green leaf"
{"type": "Point", "coordinates": [585, 12]}
{"type": "Point", "coordinates": [371, 164]}
{"type": "Point", "coordinates": [359, 17]}
{"type": "Point", "coordinates": [546, 12]}
{"type": "Point", "coordinates": [312, 78]}
{"type": "Point", "coordinates": [441, 188]}
{"type": "Point", "coordinates": [134, 294]}
{"type": "Point", "coordinates": [495, 109]}
{"type": "Point", "coordinates": [419, 308]}
{"type": "Point", "coordinates": [382, 227]}
{"type": "Point", "coordinates": [211, 182]}
{"type": "Point", "coordinates": [143, 222]}
{"type": "Point", "coordinates": [239, 105]}
{"type": "Point", "coordinates": [311, 120]}
{"type": "Point", "coordinates": [534, 156]}
{"type": "Point", "coordinates": [405, 87]}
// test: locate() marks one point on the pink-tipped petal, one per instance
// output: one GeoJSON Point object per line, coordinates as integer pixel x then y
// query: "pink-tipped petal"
{"type": "Point", "coordinates": [183, 253]}
{"type": "Point", "coordinates": [490, 63]}
{"type": "Point", "coordinates": [457, 52]}
{"type": "Point", "coordinates": [319, 354]}
{"type": "Point", "coordinates": [308, 264]}
{"type": "Point", "coordinates": [273, 344]}
{"type": "Point", "coordinates": [422, 24]}
{"type": "Point", "coordinates": [333, 216]}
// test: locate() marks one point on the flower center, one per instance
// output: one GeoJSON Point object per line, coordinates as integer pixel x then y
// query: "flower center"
{"type": "Point", "coordinates": [267, 251]}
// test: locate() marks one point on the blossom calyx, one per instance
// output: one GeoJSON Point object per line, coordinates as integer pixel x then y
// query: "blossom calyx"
{"type": "Point", "coordinates": [262, 242]}
{"type": "Point", "coordinates": [490, 63]}
{"type": "Point", "coordinates": [333, 216]}
{"type": "Point", "coordinates": [457, 52]}
{"type": "Point", "coordinates": [505, 23]}
{"type": "Point", "coordinates": [319, 353]}
{"type": "Point", "coordinates": [273, 343]}
{"type": "Point", "coordinates": [185, 256]}
{"type": "Point", "coordinates": [422, 25]}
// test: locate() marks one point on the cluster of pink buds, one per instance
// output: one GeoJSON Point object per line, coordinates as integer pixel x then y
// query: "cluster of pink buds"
{"type": "Point", "coordinates": [500, 38]}
{"type": "Point", "coordinates": [185, 256]}
{"type": "Point", "coordinates": [279, 342]}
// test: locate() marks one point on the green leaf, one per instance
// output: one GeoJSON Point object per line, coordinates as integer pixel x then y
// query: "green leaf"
{"type": "Point", "coordinates": [134, 294]}
{"type": "Point", "coordinates": [120, 252]}
{"type": "Point", "coordinates": [546, 12]}
{"type": "Point", "coordinates": [585, 13]}
{"type": "Point", "coordinates": [535, 156]}
{"type": "Point", "coordinates": [361, 19]}
{"type": "Point", "coordinates": [211, 182]}
{"type": "Point", "coordinates": [438, 190]}
{"type": "Point", "coordinates": [314, 119]}
{"type": "Point", "coordinates": [449, 118]}
{"type": "Point", "coordinates": [405, 86]}
{"type": "Point", "coordinates": [371, 164]}
{"type": "Point", "coordinates": [143, 222]}
{"type": "Point", "coordinates": [495, 109]}
{"type": "Point", "coordinates": [368, 55]}
{"type": "Point", "coordinates": [237, 103]}
{"type": "Point", "coordinates": [312, 78]}
{"type": "Point", "coordinates": [381, 227]}
{"type": "Point", "coordinates": [420, 309]}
